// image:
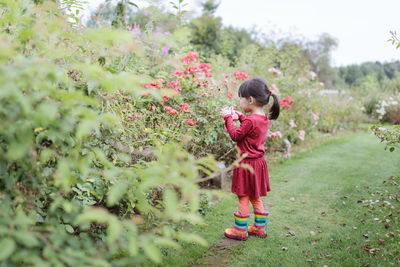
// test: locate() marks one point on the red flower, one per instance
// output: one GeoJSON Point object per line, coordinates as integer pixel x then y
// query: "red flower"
{"type": "Point", "coordinates": [190, 122]}
{"type": "Point", "coordinates": [167, 108]}
{"type": "Point", "coordinates": [172, 111]}
{"type": "Point", "coordinates": [184, 107]}
{"type": "Point", "coordinates": [190, 57]}
{"type": "Point", "coordinates": [166, 98]}
{"type": "Point", "coordinates": [240, 75]}
{"type": "Point", "coordinates": [286, 102]}
{"type": "Point", "coordinates": [230, 94]}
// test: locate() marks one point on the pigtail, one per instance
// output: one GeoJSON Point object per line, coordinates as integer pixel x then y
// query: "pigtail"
{"type": "Point", "coordinates": [275, 108]}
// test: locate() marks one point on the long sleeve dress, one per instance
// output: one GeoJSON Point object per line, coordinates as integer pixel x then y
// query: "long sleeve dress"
{"type": "Point", "coordinates": [250, 138]}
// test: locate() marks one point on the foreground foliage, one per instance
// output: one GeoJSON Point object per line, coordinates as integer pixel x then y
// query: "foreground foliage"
{"type": "Point", "coordinates": [71, 192]}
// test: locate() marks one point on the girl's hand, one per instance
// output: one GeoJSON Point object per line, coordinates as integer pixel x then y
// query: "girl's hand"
{"type": "Point", "coordinates": [225, 112]}
{"type": "Point", "coordinates": [238, 113]}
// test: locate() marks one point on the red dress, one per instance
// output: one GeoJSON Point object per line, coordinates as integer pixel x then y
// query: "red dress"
{"type": "Point", "coordinates": [250, 138]}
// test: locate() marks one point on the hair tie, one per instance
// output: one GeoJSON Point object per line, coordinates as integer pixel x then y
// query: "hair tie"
{"type": "Point", "coordinates": [270, 92]}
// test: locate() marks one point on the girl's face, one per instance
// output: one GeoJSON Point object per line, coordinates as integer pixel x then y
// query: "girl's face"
{"type": "Point", "coordinates": [246, 104]}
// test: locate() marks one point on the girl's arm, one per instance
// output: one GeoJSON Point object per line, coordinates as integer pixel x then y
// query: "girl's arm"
{"type": "Point", "coordinates": [239, 133]}
{"type": "Point", "coordinates": [241, 116]}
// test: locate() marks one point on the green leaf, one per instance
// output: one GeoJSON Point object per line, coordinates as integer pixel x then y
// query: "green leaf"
{"type": "Point", "coordinates": [391, 149]}
{"type": "Point", "coordinates": [133, 4]}
{"type": "Point", "coordinates": [114, 230]}
{"type": "Point", "coordinates": [7, 247]}
{"type": "Point", "coordinates": [86, 127]}
{"type": "Point", "coordinates": [133, 247]}
{"type": "Point", "coordinates": [26, 238]}
{"type": "Point", "coordinates": [166, 242]}
{"type": "Point", "coordinates": [188, 237]}
{"type": "Point", "coordinates": [152, 252]}
{"type": "Point", "coordinates": [170, 201]}
{"type": "Point", "coordinates": [92, 214]}
{"type": "Point", "coordinates": [69, 229]}
{"type": "Point", "coordinates": [116, 192]}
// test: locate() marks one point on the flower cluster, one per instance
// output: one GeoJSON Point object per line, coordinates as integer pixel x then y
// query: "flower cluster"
{"type": "Point", "coordinates": [184, 107]}
{"type": "Point", "coordinates": [286, 102]}
{"type": "Point", "coordinates": [315, 118]}
{"type": "Point", "coordinates": [180, 73]}
{"type": "Point", "coordinates": [292, 124]}
{"type": "Point", "coordinates": [240, 75]}
{"type": "Point", "coordinates": [176, 85]}
{"type": "Point", "coordinates": [170, 110]}
{"type": "Point", "coordinates": [230, 95]}
{"type": "Point", "coordinates": [302, 134]}
{"type": "Point", "coordinates": [155, 85]}
{"type": "Point", "coordinates": [274, 71]}
{"type": "Point", "coordinates": [312, 75]}
{"type": "Point", "coordinates": [275, 135]}
{"type": "Point", "coordinates": [191, 57]}
{"type": "Point", "coordinates": [381, 107]}
{"type": "Point", "coordinates": [203, 67]}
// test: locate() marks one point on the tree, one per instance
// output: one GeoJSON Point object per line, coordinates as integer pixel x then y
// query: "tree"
{"type": "Point", "coordinates": [318, 55]}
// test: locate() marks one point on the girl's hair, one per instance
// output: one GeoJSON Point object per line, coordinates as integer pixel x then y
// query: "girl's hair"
{"type": "Point", "coordinates": [258, 89]}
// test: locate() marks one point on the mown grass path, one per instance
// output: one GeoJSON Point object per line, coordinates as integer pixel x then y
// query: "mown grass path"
{"type": "Point", "coordinates": [324, 197]}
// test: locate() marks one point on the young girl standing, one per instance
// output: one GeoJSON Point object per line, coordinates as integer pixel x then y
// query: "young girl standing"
{"type": "Point", "coordinates": [250, 137]}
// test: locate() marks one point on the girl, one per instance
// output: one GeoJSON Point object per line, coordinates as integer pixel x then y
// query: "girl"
{"type": "Point", "coordinates": [250, 137]}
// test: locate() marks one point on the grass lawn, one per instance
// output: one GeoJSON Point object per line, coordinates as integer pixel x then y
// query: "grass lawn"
{"type": "Point", "coordinates": [338, 199]}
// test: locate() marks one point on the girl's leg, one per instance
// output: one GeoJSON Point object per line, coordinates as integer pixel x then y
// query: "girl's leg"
{"type": "Point", "coordinates": [239, 231]}
{"type": "Point", "coordinates": [260, 219]}
{"type": "Point", "coordinates": [257, 204]}
{"type": "Point", "coordinates": [244, 205]}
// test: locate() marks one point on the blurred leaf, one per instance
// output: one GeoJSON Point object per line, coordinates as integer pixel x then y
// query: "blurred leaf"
{"type": "Point", "coordinates": [116, 192]}
{"type": "Point", "coordinates": [152, 252]}
{"type": "Point", "coordinates": [188, 237]}
{"type": "Point", "coordinates": [26, 238]}
{"type": "Point", "coordinates": [7, 247]}
{"type": "Point", "coordinates": [114, 229]}
{"type": "Point", "coordinates": [93, 214]}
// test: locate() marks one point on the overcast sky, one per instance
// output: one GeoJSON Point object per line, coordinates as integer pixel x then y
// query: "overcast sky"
{"type": "Point", "coordinates": [361, 27]}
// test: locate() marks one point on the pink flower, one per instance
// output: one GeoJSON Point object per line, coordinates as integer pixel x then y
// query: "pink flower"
{"type": "Point", "coordinates": [190, 122]}
{"type": "Point", "coordinates": [166, 98]}
{"type": "Point", "coordinates": [315, 115]}
{"type": "Point", "coordinates": [226, 75]}
{"type": "Point", "coordinates": [292, 124]}
{"type": "Point", "coordinates": [302, 134]}
{"type": "Point", "coordinates": [275, 135]}
{"type": "Point", "coordinates": [274, 71]}
{"type": "Point", "coordinates": [172, 111]}
{"type": "Point", "coordinates": [274, 89]}
{"type": "Point", "coordinates": [167, 108]}
{"type": "Point", "coordinates": [230, 94]}
{"type": "Point", "coordinates": [301, 80]}
{"type": "Point", "coordinates": [179, 73]}
{"type": "Point", "coordinates": [190, 57]}
{"type": "Point", "coordinates": [287, 155]}
{"type": "Point", "coordinates": [184, 107]}
{"type": "Point", "coordinates": [160, 80]}
{"type": "Point", "coordinates": [312, 75]}
{"type": "Point", "coordinates": [240, 75]}
{"type": "Point", "coordinates": [137, 115]}
{"type": "Point", "coordinates": [153, 108]}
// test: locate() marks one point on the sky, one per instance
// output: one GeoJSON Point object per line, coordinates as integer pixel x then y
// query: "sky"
{"type": "Point", "coordinates": [361, 27]}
